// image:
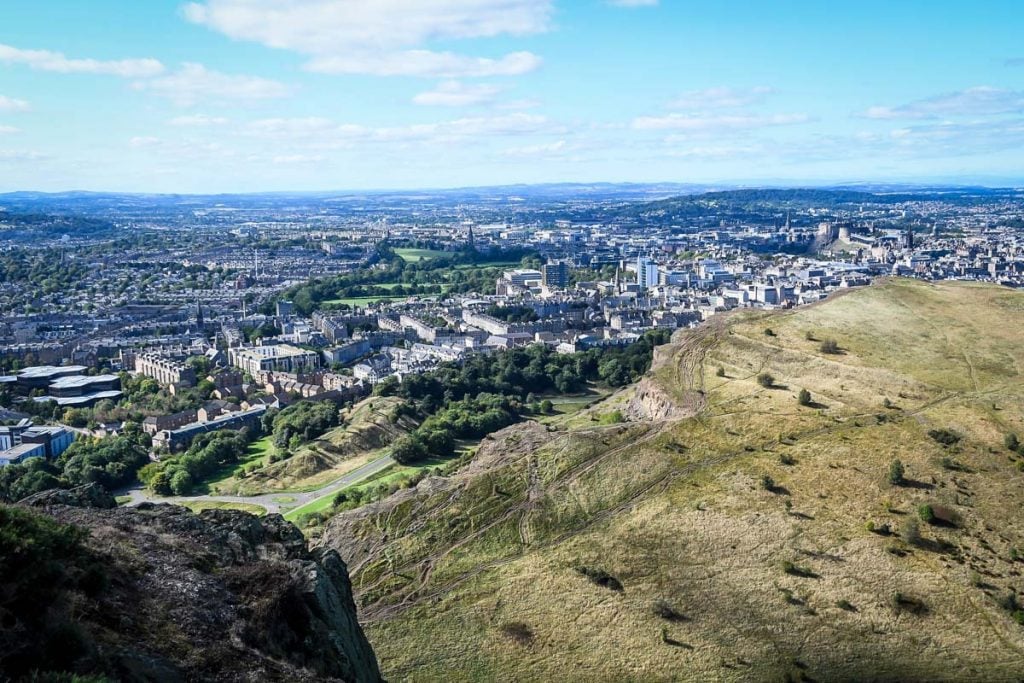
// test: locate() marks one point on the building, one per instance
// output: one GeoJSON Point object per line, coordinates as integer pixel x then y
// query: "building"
{"type": "Point", "coordinates": [646, 273]}
{"type": "Point", "coordinates": [274, 358]}
{"type": "Point", "coordinates": [179, 439]}
{"type": "Point", "coordinates": [159, 423]}
{"type": "Point", "coordinates": [84, 385]}
{"type": "Point", "coordinates": [41, 376]}
{"type": "Point", "coordinates": [555, 275]}
{"type": "Point", "coordinates": [165, 370]}
{"type": "Point", "coordinates": [25, 440]}
{"type": "Point", "coordinates": [285, 309]}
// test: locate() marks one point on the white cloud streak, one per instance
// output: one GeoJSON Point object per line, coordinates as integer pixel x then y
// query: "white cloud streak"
{"type": "Point", "coordinates": [46, 60]}
{"type": "Point", "coordinates": [381, 37]}
{"type": "Point", "coordinates": [10, 104]}
{"type": "Point", "coordinates": [982, 100]}
{"type": "Point", "coordinates": [720, 98]}
{"type": "Point", "coordinates": [456, 94]}
{"type": "Point", "coordinates": [701, 124]}
{"type": "Point", "coordinates": [194, 83]}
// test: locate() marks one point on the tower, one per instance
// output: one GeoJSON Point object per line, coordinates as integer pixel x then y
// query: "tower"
{"type": "Point", "coordinates": [910, 238]}
{"type": "Point", "coordinates": [199, 313]}
{"type": "Point", "coordinates": [470, 244]}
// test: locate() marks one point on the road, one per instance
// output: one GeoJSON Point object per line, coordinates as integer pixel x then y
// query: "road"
{"type": "Point", "coordinates": [270, 501]}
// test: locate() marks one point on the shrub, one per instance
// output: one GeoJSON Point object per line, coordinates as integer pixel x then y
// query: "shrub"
{"type": "Point", "coordinates": [600, 577]}
{"type": "Point", "coordinates": [766, 380]}
{"type": "Point", "coordinates": [664, 610]}
{"type": "Point", "coordinates": [829, 346]}
{"type": "Point", "coordinates": [518, 631]}
{"type": "Point", "coordinates": [926, 513]}
{"type": "Point", "coordinates": [1012, 442]}
{"type": "Point", "coordinates": [901, 602]}
{"type": "Point", "coordinates": [911, 532]}
{"type": "Point", "coordinates": [720, 372]}
{"type": "Point", "coordinates": [886, 403]}
{"type": "Point", "coordinates": [796, 570]}
{"type": "Point", "coordinates": [787, 459]}
{"type": "Point", "coordinates": [846, 605]}
{"type": "Point", "coordinates": [809, 336]}
{"type": "Point", "coordinates": [769, 332]}
{"type": "Point", "coordinates": [946, 437]}
{"type": "Point", "coordinates": [804, 398]}
{"type": "Point", "coordinates": [897, 473]}
{"type": "Point", "coordinates": [767, 483]}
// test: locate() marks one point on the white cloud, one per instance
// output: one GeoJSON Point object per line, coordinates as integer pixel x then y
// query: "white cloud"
{"type": "Point", "coordinates": [318, 132]}
{"type": "Point", "coordinates": [45, 60]}
{"type": "Point", "coordinates": [426, 64]}
{"type": "Point", "coordinates": [194, 83]}
{"type": "Point", "coordinates": [9, 104]}
{"type": "Point", "coordinates": [633, 3]}
{"type": "Point", "coordinates": [18, 156]}
{"type": "Point", "coordinates": [720, 98]}
{"type": "Point", "coordinates": [9, 130]}
{"type": "Point", "coordinates": [978, 101]}
{"type": "Point", "coordinates": [298, 159]}
{"type": "Point", "coordinates": [381, 37]}
{"type": "Point", "coordinates": [456, 94]}
{"type": "Point", "coordinates": [141, 141]}
{"type": "Point", "coordinates": [198, 121]}
{"type": "Point", "coordinates": [541, 150]}
{"type": "Point", "coordinates": [701, 124]}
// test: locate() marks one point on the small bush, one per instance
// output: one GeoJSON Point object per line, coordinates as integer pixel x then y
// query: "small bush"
{"type": "Point", "coordinates": [1011, 442]}
{"type": "Point", "coordinates": [886, 403]}
{"type": "Point", "coordinates": [829, 346]}
{"type": "Point", "coordinates": [897, 473]}
{"type": "Point", "coordinates": [787, 459]}
{"type": "Point", "coordinates": [926, 513]}
{"type": "Point", "coordinates": [946, 437]}
{"type": "Point", "coordinates": [766, 380]}
{"type": "Point", "coordinates": [663, 609]}
{"type": "Point", "coordinates": [809, 336]}
{"type": "Point", "coordinates": [720, 372]}
{"type": "Point", "coordinates": [911, 532]}
{"type": "Point", "coordinates": [767, 483]}
{"type": "Point", "coordinates": [804, 398]}
{"type": "Point", "coordinates": [600, 577]}
{"type": "Point", "coordinates": [796, 570]}
{"type": "Point", "coordinates": [901, 602]}
{"type": "Point", "coordinates": [769, 332]}
{"type": "Point", "coordinates": [846, 605]}
{"type": "Point", "coordinates": [518, 631]}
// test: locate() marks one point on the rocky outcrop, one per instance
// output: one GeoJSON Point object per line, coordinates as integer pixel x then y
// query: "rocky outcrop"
{"type": "Point", "coordinates": [217, 596]}
{"type": "Point", "coordinates": [89, 496]}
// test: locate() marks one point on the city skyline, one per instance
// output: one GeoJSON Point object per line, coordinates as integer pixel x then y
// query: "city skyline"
{"type": "Point", "coordinates": [256, 95]}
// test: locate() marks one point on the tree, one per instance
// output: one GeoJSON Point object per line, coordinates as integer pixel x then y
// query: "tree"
{"type": "Point", "coordinates": [805, 398]}
{"type": "Point", "coordinates": [897, 473]}
{"type": "Point", "coordinates": [546, 406]}
{"type": "Point", "coordinates": [181, 482]}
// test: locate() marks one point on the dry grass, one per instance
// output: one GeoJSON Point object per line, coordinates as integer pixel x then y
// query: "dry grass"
{"type": "Point", "coordinates": [675, 511]}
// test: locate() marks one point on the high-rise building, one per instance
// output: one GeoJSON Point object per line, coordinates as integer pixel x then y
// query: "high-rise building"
{"type": "Point", "coordinates": [646, 273]}
{"type": "Point", "coordinates": [555, 274]}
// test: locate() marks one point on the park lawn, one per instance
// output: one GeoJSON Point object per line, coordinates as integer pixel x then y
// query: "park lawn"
{"type": "Point", "coordinates": [413, 255]}
{"type": "Point", "coordinates": [259, 451]}
{"type": "Point", "coordinates": [198, 506]}
{"type": "Point", "coordinates": [385, 476]}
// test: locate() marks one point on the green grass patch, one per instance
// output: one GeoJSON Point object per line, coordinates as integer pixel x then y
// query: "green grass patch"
{"type": "Point", "coordinates": [257, 453]}
{"type": "Point", "coordinates": [413, 255]}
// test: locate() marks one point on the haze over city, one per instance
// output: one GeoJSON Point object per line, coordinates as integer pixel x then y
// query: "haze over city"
{"type": "Point", "coordinates": [263, 95]}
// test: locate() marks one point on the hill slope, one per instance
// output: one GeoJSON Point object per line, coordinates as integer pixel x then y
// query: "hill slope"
{"type": "Point", "coordinates": [722, 533]}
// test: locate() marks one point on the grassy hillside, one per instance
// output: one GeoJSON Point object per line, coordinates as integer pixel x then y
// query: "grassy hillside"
{"type": "Point", "coordinates": [367, 428]}
{"type": "Point", "coordinates": [725, 531]}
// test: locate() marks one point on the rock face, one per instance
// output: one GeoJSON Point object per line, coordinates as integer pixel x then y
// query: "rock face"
{"type": "Point", "coordinates": [218, 596]}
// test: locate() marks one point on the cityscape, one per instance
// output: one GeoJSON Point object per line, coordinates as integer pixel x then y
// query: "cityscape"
{"type": "Point", "coordinates": [364, 341]}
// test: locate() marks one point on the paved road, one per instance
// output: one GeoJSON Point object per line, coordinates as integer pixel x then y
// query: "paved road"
{"type": "Point", "coordinates": [267, 500]}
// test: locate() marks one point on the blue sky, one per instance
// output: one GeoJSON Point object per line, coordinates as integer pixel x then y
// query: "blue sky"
{"type": "Point", "coordinates": [253, 95]}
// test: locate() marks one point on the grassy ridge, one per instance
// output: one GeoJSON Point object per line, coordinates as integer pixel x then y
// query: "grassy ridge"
{"type": "Point", "coordinates": [739, 536]}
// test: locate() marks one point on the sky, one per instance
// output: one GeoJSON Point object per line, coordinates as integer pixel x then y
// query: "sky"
{"type": "Point", "coordinates": [207, 96]}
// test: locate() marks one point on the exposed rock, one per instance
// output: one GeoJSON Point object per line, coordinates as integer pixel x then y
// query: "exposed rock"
{"type": "Point", "coordinates": [86, 496]}
{"type": "Point", "coordinates": [218, 596]}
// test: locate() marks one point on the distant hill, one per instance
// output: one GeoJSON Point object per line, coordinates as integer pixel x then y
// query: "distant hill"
{"type": "Point", "coordinates": [713, 522]}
